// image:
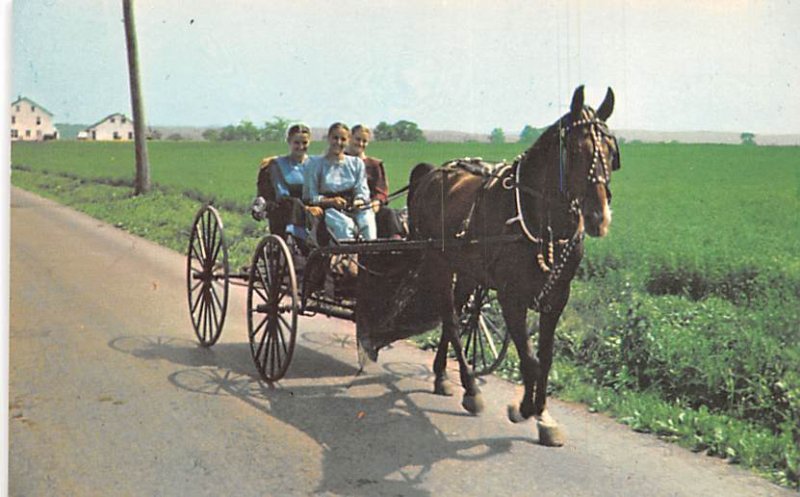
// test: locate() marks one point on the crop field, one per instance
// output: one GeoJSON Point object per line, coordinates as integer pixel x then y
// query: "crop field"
{"type": "Point", "coordinates": [692, 302]}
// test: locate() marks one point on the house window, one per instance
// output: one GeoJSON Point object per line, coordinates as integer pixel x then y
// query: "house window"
{"type": "Point", "coordinates": [33, 108]}
{"type": "Point", "coordinates": [123, 120]}
{"type": "Point", "coordinates": [38, 121]}
{"type": "Point", "coordinates": [94, 135]}
{"type": "Point", "coordinates": [14, 133]}
{"type": "Point", "coordinates": [112, 119]}
{"type": "Point", "coordinates": [13, 119]}
{"type": "Point", "coordinates": [17, 108]}
{"type": "Point", "coordinates": [130, 135]}
{"type": "Point", "coordinates": [116, 135]}
{"type": "Point", "coordinates": [28, 132]}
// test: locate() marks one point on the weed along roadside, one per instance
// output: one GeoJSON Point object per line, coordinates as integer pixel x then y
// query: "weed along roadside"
{"type": "Point", "coordinates": [684, 322]}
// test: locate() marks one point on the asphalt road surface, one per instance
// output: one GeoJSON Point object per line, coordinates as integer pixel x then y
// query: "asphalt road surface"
{"type": "Point", "coordinates": [110, 395]}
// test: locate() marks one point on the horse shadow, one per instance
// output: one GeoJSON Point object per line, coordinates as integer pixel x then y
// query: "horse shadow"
{"type": "Point", "coordinates": [374, 431]}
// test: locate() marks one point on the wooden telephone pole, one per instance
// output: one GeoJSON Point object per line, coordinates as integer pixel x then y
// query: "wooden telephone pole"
{"type": "Point", "coordinates": [142, 183]}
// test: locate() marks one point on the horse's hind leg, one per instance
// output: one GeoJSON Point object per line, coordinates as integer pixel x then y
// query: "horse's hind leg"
{"type": "Point", "coordinates": [472, 401]}
{"type": "Point", "coordinates": [441, 386]}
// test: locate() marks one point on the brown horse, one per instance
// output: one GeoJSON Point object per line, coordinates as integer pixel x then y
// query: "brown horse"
{"type": "Point", "coordinates": [521, 229]}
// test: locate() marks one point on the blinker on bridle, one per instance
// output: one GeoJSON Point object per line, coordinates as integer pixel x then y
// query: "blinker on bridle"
{"type": "Point", "coordinates": [597, 129]}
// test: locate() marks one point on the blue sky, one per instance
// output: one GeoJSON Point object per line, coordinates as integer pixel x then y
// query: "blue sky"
{"type": "Point", "coordinates": [728, 65]}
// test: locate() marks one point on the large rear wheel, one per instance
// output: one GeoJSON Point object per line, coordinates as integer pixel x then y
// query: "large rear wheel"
{"type": "Point", "coordinates": [272, 307]}
{"type": "Point", "coordinates": [483, 331]}
{"type": "Point", "coordinates": [207, 276]}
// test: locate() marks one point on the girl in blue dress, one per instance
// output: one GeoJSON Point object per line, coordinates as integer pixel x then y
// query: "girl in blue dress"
{"type": "Point", "coordinates": [338, 184]}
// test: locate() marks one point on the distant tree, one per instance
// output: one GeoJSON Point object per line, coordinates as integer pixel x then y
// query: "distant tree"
{"type": "Point", "coordinates": [247, 131]}
{"type": "Point", "coordinates": [211, 134]}
{"type": "Point", "coordinates": [529, 134]}
{"type": "Point", "coordinates": [228, 133]}
{"type": "Point", "coordinates": [497, 136]}
{"type": "Point", "coordinates": [153, 134]}
{"type": "Point", "coordinates": [175, 137]}
{"type": "Point", "coordinates": [275, 130]}
{"type": "Point", "coordinates": [407, 131]}
{"type": "Point", "coordinates": [748, 138]}
{"type": "Point", "coordinates": [383, 132]}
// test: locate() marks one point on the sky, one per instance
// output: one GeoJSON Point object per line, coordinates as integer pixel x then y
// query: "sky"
{"type": "Point", "coordinates": [699, 65]}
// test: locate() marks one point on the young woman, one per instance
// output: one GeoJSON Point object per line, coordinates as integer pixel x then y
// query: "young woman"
{"type": "Point", "coordinates": [387, 220]}
{"type": "Point", "coordinates": [338, 184]}
{"type": "Point", "coordinates": [280, 185]}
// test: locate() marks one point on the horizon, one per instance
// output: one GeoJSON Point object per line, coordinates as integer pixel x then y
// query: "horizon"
{"type": "Point", "coordinates": [675, 67]}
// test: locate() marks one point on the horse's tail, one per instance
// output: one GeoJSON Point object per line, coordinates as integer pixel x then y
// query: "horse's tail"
{"type": "Point", "coordinates": [417, 173]}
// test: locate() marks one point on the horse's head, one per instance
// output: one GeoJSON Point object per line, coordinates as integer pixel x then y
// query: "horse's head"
{"type": "Point", "coordinates": [588, 155]}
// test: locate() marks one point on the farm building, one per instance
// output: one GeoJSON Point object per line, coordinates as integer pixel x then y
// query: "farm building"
{"type": "Point", "coordinates": [31, 122]}
{"type": "Point", "coordinates": [113, 127]}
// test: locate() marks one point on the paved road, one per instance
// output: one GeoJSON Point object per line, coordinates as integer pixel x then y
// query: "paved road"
{"type": "Point", "coordinates": [111, 396]}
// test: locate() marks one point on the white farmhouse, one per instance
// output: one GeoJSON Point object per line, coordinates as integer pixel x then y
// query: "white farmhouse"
{"type": "Point", "coordinates": [113, 127]}
{"type": "Point", "coordinates": [31, 122]}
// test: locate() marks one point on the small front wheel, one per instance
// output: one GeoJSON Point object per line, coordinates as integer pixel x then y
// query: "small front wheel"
{"type": "Point", "coordinates": [272, 308]}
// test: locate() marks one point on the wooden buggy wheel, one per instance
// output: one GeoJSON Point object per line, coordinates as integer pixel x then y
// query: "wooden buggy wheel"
{"type": "Point", "coordinates": [207, 276]}
{"type": "Point", "coordinates": [272, 306]}
{"type": "Point", "coordinates": [483, 331]}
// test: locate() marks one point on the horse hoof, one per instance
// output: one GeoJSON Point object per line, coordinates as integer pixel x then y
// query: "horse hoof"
{"type": "Point", "coordinates": [550, 434]}
{"type": "Point", "coordinates": [514, 414]}
{"type": "Point", "coordinates": [473, 403]}
{"type": "Point", "coordinates": [442, 388]}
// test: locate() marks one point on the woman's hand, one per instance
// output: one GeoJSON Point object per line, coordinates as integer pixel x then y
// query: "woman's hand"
{"type": "Point", "coordinates": [314, 210]}
{"type": "Point", "coordinates": [376, 205]}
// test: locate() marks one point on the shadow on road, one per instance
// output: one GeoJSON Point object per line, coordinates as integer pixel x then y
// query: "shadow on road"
{"type": "Point", "coordinates": [375, 437]}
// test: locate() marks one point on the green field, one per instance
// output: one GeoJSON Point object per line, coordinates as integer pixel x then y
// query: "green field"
{"type": "Point", "coordinates": [684, 321]}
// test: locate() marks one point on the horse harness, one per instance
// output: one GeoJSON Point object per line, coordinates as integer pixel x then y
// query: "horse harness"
{"type": "Point", "coordinates": [508, 175]}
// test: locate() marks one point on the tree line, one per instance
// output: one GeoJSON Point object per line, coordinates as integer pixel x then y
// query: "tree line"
{"type": "Point", "coordinates": [275, 130]}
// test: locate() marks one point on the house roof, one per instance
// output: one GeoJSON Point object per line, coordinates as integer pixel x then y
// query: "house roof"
{"type": "Point", "coordinates": [109, 117]}
{"type": "Point", "coordinates": [21, 98]}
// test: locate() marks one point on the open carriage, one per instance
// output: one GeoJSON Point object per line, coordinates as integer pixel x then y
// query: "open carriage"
{"type": "Point", "coordinates": [284, 283]}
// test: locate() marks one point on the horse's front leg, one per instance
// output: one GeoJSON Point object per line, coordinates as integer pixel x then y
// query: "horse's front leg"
{"type": "Point", "coordinates": [514, 313]}
{"type": "Point", "coordinates": [550, 433]}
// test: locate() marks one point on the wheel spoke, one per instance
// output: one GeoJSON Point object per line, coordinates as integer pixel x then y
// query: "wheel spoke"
{"type": "Point", "coordinates": [216, 297]}
{"type": "Point", "coordinates": [258, 328]}
{"type": "Point", "coordinates": [482, 326]}
{"type": "Point", "coordinates": [281, 336]}
{"type": "Point", "coordinates": [197, 255]}
{"type": "Point", "coordinates": [211, 298]}
{"type": "Point", "coordinates": [196, 302]}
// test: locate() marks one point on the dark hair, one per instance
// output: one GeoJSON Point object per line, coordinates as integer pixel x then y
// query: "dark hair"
{"type": "Point", "coordinates": [338, 125]}
{"type": "Point", "coordinates": [297, 128]}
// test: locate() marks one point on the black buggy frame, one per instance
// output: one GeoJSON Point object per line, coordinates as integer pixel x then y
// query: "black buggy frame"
{"type": "Point", "coordinates": [276, 297]}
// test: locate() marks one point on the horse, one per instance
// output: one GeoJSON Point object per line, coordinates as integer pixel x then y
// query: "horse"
{"type": "Point", "coordinates": [526, 221]}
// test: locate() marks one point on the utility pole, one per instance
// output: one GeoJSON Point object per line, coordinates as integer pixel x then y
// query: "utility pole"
{"type": "Point", "coordinates": [142, 183]}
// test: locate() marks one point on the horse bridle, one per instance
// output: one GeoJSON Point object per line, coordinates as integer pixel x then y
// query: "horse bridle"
{"type": "Point", "coordinates": [599, 171]}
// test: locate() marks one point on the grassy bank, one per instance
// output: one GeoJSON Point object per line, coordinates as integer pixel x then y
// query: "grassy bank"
{"type": "Point", "coordinates": [683, 322]}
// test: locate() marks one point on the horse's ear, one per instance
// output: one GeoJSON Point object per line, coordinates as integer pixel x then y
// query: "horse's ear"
{"type": "Point", "coordinates": [607, 107]}
{"type": "Point", "coordinates": [577, 103]}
